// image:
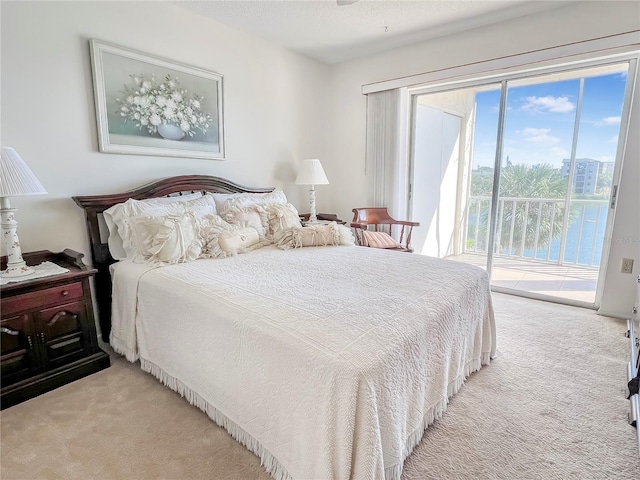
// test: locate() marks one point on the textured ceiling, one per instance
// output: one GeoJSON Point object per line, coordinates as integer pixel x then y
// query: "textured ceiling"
{"type": "Point", "coordinates": [331, 33]}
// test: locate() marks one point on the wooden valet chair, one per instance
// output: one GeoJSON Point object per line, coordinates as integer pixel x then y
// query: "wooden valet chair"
{"type": "Point", "coordinates": [374, 227]}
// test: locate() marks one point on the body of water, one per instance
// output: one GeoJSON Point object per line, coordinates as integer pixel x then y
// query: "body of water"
{"type": "Point", "coordinates": [584, 243]}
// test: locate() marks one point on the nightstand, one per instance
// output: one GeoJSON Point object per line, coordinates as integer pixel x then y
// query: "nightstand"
{"type": "Point", "coordinates": [323, 218]}
{"type": "Point", "coordinates": [48, 329]}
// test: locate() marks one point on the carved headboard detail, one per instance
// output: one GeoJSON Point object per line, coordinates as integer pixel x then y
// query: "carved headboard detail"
{"type": "Point", "coordinates": [94, 205]}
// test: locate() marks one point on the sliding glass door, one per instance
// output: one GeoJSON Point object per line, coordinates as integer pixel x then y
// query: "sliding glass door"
{"type": "Point", "coordinates": [517, 176]}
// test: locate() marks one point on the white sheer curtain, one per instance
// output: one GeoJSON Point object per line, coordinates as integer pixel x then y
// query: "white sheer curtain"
{"type": "Point", "coordinates": [386, 162]}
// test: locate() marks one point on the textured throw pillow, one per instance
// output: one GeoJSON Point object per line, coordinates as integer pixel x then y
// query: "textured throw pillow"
{"type": "Point", "coordinates": [114, 240]}
{"type": "Point", "coordinates": [239, 240]}
{"type": "Point", "coordinates": [380, 240]}
{"type": "Point", "coordinates": [221, 239]}
{"type": "Point", "coordinates": [315, 236]}
{"type": "Point", "coordinates": [211, 227]}
{"type": "Point", "coordinates": [253, 216]}
{"type": "Point", "coordinates": [122, 213]}
{"type": "Point", "coordinates": [226, 201]}
{"type": "Point", "coordinates": [165, 239]}
{"type": "Point", "coordinates": [281, 216]}
{"type": "Point", "coordinates": [345, 236]}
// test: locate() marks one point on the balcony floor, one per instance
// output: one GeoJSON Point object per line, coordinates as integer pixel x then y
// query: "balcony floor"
{"type": "Point", "coordinates": [570, 282]}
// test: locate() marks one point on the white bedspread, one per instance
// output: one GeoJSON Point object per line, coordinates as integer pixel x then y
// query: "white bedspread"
{"type": "Point", "coordinates": [326, 362]}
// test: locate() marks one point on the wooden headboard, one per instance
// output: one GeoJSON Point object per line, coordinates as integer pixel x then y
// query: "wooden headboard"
{"type": "Point", "coordinates": [94, 205]}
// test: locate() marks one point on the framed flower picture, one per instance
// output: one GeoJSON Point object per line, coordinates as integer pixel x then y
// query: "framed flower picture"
{"type": "Point", "coordinates": [147, 105]}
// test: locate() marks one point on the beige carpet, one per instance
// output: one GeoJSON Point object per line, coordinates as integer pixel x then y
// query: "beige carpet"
{"type": "Point", "coordinates": [551, 406]}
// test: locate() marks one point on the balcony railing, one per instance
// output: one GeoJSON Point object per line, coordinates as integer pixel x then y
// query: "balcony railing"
{"type": "Point", "coordinates": [533, 228]}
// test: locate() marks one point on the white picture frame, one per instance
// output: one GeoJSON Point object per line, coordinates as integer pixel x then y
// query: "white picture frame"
{"type": "Point", "coordinates": [129, 84]}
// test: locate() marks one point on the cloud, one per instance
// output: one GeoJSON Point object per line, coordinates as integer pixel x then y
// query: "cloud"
{"type": "Point", "coordinates": [561, 152]}
{"type": "Point", "coordinates": [535, 131]}
{"type": "Point", "coordinates": [614, 139]}
{"type": "Point", "coordinates": [548, 104]}
{"type": "Point", "coordinates": [608, 121]}
{"type": "Point", "coordinates": [538, 135]}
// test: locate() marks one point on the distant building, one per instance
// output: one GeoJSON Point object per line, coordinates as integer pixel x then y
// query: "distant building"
{"type": "Point", "coordinates": [586, 174]}
{"type": "Point", "coordinates": [483, 171]}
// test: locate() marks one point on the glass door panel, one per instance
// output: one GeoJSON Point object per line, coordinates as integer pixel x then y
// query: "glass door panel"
{"type": "Point", "coordinates": [550, 230]}
{"type": "Point", "coordinates": [592, 181]}
{"type": "Point", "coordinates": [478, 208]}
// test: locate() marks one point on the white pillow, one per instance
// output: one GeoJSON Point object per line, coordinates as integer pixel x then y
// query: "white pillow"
{"type": "Point", "coordinates": [225, 201]}
{"type": "Point", "coordinates": [115, 240]}
{"type": "Point", "coordinates": [121, 214]}
{"type": "Point", "coordinates": [165, 239]}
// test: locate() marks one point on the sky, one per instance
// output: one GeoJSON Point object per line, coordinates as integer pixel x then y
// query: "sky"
{"type": "Point", "coordinates": [540, 121]}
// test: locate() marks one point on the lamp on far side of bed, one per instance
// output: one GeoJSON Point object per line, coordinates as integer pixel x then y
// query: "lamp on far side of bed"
{"type": "Point", "coordinates": [312, 173]}
{"type": "Point", "coordinates": [15, 179]}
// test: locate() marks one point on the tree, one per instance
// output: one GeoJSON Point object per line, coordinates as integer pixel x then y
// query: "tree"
{"type": "Point", "coordinates": [520, 181]}
{"type": "Point", "coordinates": [603, 185]}
{"type": "Point", "coordinates": [481, 184]}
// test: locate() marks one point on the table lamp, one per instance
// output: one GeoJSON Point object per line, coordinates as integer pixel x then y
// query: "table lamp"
{"type": "Point", "coordinates": [312, 173]}
{"type": "Point", "coordinates": [15, 179]}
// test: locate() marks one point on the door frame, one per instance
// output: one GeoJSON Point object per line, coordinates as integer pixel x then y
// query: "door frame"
{"type": "Point", "coordinates": [534, 70]}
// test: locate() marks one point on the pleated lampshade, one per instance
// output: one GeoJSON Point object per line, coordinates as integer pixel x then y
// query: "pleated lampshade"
{"type": "Point", "coordinates": [16, 178]}
{"type": "Point", "coordinates": [311, 173]}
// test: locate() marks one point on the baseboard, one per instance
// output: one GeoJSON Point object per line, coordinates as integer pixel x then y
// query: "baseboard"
{"type": "Point", "coordinates": [614, 314]}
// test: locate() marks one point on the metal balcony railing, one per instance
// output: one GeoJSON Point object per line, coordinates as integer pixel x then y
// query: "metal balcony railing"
{"type": "Point", "coordinates": [532, 228]}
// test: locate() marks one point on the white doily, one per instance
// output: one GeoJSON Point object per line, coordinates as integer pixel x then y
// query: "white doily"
{"type": "Point", "coordinates": [45, 269]}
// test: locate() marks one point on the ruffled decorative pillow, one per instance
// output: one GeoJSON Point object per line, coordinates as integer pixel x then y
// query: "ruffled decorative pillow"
{"type": "Point", "coordinates": [114, 241]}
{"type": "Point", "coordinates": [121, 215]}
{"type": "Point", "coordinates": [221, 239]}
{"type": "Point", "coordinates": [315, 236]}
{"type": "Point", "coordinates": [211, 227]}
{"type": "Point", "coordinates": [253, 216]}
{"type": "Point", "coordinates": [164, 239]}
{"type": "Point", "coordinates": [281, 216]}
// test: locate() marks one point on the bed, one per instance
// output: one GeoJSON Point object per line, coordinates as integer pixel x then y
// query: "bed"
{"type": "Point", "coordinates": [326, 362]}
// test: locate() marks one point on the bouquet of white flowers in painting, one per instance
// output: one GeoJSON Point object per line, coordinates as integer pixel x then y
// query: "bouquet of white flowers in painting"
{"type": "Point", "coordinates": [150, 104]}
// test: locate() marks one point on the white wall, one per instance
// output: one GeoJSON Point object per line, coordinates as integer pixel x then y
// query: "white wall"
{"type": "Point", "coordinates": [280, 107]}
{"type": "Point", "coordinates": [572, 23]}
{"type": "Point", "coordinates": [273, 101]}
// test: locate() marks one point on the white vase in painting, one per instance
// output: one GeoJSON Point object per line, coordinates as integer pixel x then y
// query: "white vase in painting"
{"type": "Point", "coordinates": [170, 131]}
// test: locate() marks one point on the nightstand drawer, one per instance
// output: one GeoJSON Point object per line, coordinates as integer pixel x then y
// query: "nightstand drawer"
{"type": "Point", "coordinates": [40, 298]}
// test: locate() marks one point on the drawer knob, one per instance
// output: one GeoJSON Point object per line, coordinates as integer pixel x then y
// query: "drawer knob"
{"type": "Point", "coordinates": [65, 293]}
